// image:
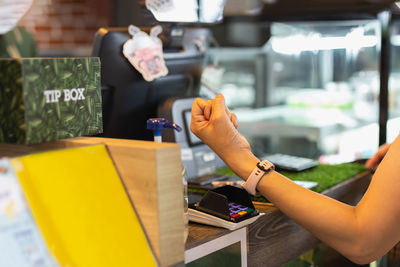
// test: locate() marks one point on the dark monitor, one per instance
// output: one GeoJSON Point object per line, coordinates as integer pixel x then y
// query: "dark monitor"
{"type": "Point", "coordinates": [192, 139]}
{"type": "Point", "coordinates": [129, 100]}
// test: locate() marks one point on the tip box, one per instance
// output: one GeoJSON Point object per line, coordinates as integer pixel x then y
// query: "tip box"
{"type": "Point", "coordinates": [43, 99]}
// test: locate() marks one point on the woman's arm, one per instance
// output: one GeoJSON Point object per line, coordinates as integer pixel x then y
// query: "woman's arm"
{"type": "Point", "coordinates": [362, 233]}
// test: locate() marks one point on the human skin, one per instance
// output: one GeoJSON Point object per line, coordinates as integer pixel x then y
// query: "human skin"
{"type": "Point", "coordinates": [362, 233]}
{"type": "Point", "coordinates": [374, 161]}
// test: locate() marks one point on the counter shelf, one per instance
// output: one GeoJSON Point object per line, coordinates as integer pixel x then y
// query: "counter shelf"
{"type": "Point", "coordinates": [274, 239]}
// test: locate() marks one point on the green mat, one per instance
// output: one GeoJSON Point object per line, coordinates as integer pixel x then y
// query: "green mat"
{"type": "Point", "coordinates": [325, 175]}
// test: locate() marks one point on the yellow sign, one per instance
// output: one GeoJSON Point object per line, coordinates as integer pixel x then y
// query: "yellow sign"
{"type": "Point", "coordinates": [82, 209]}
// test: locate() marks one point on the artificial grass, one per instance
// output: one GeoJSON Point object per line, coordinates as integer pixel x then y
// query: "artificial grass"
{"type": "Point", "coordinates": [325, 175]}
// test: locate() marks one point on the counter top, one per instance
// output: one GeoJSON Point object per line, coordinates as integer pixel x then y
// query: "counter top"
{"type": "Point", "coordinates": [275, 239]}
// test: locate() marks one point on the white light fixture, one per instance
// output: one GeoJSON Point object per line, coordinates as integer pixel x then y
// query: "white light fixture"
{"type": "Point", "coordinates": [395, 40]}
{"type": "Point", "coordinates": [181, 11]}
{"type": "Point", "coordinates": [314, 42]}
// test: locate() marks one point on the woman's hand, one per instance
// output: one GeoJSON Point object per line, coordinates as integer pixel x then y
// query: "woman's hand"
{"type": "Point", "coordinates": [216, 126]}
{"type": "Point", "coordinates": [374, 161]}
{"type": "Point", "coordinates": [213, 123]}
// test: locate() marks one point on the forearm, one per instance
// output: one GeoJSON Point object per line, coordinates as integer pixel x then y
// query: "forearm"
{"type": "Point", "coordinates": [240, 161]}
{"type": "Point", "coordinates": [331, 221]}
{"type": "Point", "coordinates": [354, 231]}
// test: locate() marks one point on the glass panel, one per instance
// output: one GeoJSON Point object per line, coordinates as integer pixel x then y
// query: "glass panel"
{"type": "Point", "coordinates": [393, 125]}
{"type": "Point", "coordinates": [311, 90]}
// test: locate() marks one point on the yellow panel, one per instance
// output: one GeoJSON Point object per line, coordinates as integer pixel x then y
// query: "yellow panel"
{"type": "Point", "coordinates": [81, 207]}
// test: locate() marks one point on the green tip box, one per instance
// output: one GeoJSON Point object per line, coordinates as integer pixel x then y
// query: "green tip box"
{"type": "Point", "coordinates": [43, 99]}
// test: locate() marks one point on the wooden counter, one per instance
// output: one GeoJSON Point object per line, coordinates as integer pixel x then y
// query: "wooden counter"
{"type": "Point", "coordinates": [274, 239]}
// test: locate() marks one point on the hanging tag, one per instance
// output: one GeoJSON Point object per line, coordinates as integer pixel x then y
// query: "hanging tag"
{"type": "Point", "coordinates": [159, 5]}
{"type": "Point", "coordinates": [145, 52]}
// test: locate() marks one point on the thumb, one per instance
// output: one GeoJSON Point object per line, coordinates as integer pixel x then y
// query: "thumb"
{"type": "Point", "coordinates": [218, 106]}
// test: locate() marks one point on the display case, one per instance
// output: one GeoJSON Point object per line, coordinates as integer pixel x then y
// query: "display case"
{"type": "Point", "coordinates": [312, 89]}
{"type": "Point", "coordinates": [394, 82]}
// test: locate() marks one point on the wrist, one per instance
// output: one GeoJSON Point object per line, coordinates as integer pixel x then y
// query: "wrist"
{"type": "Point", "coordinates": [240, 161]}
{"type": "Point", "coordinates": [262, 168]}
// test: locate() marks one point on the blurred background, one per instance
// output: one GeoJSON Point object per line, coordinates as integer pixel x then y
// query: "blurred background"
{"type": "Point", "coordinates": [304, 79]}
{"type": "Point", "coordinates": [67, 27]}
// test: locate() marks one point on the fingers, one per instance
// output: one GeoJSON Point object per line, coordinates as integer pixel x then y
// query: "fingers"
{"type": "Point", "coordinates": [207, 110]}
{"type": "Point", "coordinates": [234, 120]}
{"type": "Point", "coordinates": [227, 111]}
{"type": "Point", "coordinates": [374, 161]}
{"type": "Point", "coordinates": [218, 106]}
{"type": "Point", "coordinates": [219, 109]}
{"type": "Point", "coordinates": [198, 107]}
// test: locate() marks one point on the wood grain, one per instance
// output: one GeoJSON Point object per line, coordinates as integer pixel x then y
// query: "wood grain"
{"type": "Point", "coordinates": [274, 239]}
{"type": "Point", "coordinates": [151, 173]}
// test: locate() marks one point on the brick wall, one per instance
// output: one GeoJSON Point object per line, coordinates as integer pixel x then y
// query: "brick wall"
{"type": "Point", "coordinates": [66, 27]}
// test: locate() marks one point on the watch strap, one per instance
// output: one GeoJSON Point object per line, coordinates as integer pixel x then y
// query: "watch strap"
{"type": "Point", "coordinates": [258, 172]}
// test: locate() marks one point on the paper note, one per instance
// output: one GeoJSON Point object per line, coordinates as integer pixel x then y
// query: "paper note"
{"type": "Point", "coordinates": [21, 244]}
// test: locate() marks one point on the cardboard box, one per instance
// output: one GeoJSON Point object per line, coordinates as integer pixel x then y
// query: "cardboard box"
{"type": "Point", "coordinates": [43, 99]}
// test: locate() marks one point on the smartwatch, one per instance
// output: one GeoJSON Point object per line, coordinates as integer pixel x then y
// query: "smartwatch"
{"type": "Point", "coordinates": [262, 168]}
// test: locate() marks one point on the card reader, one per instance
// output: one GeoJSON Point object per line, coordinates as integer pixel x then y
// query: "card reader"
{"type": "Point", "coordinates": [227, 202]}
